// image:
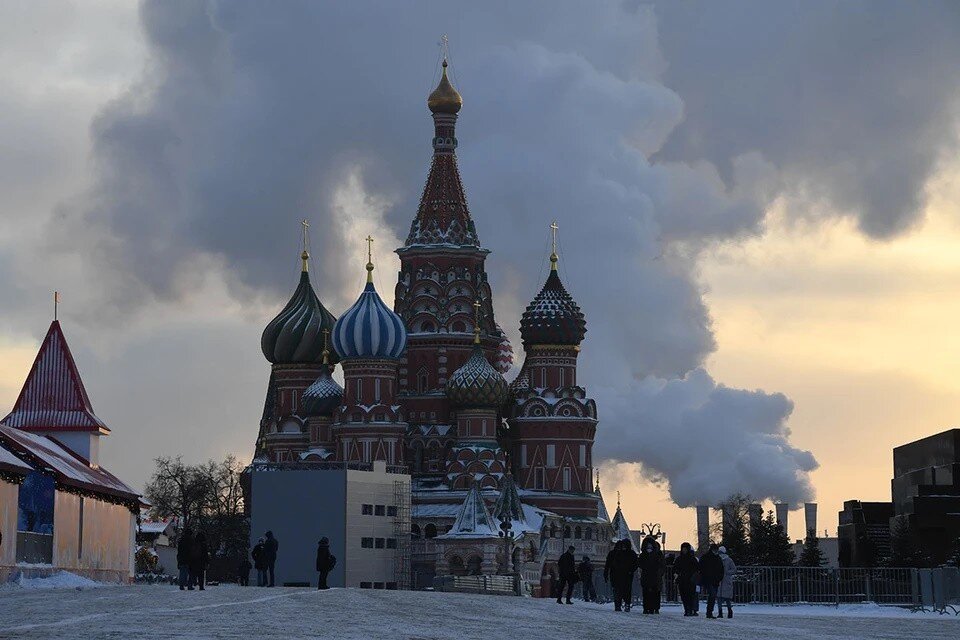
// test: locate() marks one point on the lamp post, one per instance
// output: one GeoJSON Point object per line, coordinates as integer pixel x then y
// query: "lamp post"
{"type": "Point", "coordinates": [652, 529]}
{"type": "Point", "coordinates": [507, 535]}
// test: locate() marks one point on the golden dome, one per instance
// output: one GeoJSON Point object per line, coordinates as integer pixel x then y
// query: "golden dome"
{"type": "Point", "coordinates": [444, 99]}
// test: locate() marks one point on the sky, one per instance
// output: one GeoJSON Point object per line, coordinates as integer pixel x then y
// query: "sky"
{"type": "Point", "coordinates": [757, 206]}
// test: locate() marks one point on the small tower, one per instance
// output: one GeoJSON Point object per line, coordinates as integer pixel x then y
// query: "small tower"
{"type": "Point", "coordinates": [293, 343]}
{"type": "Point", "coordinates": [552, 420]}
{"type": "Point", "coordinates": [53, 401]}
{"type": "Point", "coordinates": [370, 339]}
{"type": "Point", "coordinates": [476, 392]}
{"type": "Point", "coordinates": [320, 400]}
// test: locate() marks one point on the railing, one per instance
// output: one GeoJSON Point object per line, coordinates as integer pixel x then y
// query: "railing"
{"type": "Point", "coordinates": [935, 588]}
{"type": "Point", "coordinates": [497, 585]}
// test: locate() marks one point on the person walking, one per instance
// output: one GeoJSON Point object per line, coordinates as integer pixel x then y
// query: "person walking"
{"type": "Point", "coordinates": [200, 558]}
{"type": "Point", "coordinates": [270, 547]}
{"type": "Point", "coordinates": [726, 584]}
{"type": "Point", "coordinates": [652, 567]}
{"type": "Point", "coordinates": [686, 567]}
{"type": "Point", "coordinates": [326, 561]}
{"type": "Point", "coordinates": [567, 568]}
{"type": "Point", "coordinates": [184, 552]}
{"type": "Point", "coordinates": [619, 571]}
{"type": "Point", "coordinates": [243, 571]}
{"type": "Point", "coordinates": [711, 574]}
{"type": "Point", "coordinates": [585, 570]}
{"type": "Point", "coordinates": [259, 554]}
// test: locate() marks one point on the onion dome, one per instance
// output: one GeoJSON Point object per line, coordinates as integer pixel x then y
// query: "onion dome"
{"type": "Point", "coordinates": [324, 395]}
{"type": "Point", "coordinates": [477, 383]}
{"type": "Point", "coordinates": [445, 99]}
{"type": "Point", "coordinates": [295, 336]}
{"type": "Point", "coordinates": [369, 329]}
{"type": "Point", "coordinates": [553, 317]}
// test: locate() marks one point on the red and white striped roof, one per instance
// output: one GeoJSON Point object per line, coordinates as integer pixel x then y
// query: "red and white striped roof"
{"type": "Point", "coordinates": [53, 397]}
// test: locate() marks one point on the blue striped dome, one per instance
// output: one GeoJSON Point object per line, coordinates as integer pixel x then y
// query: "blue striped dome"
{"type": "Point", "coordinates": [369, 329]}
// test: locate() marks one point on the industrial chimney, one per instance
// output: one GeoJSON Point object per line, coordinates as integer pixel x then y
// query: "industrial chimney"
{"type": "Point", "coordinates": [810, 517]}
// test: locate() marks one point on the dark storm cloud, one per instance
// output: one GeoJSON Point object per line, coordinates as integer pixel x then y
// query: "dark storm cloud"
{"type": "Point", "coordinates": [854, 102]}
{"type": "Point", "coordinates": [251, 115]}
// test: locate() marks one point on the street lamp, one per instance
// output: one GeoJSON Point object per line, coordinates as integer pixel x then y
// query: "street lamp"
{"type": "Point", "coordinates": [507, 535]}
{"type": "Point", "coordinates": [652, 529]}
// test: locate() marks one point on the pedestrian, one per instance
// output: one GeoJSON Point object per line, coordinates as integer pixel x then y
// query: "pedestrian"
{"type": "Point", "coordinates": [259, 554]}
{"type": "Point", "coordinates": [652, 566]}
{"type": "Point", "coordinates": [585, 570]}
{"type": "Point", "coordinates": [726, 585]}
{"type": "Point", "coordinates": [243, 571]}
{"type": "Point", "coordinates": [567, 568]}
{"type": "Point", "coordinates": [686, 567]}
{"type": "Point", "coordinates": [184, 552]}
{"type": "Point", "coordinates": [270, 548]}
{"type": "Point", "coordinates": [619, 571]}
{"type": "Point", "coordinates": [326, 561]}
{"type": "Point", "coordinates": [200, 557]}
{"type": "Point", "coordinates": [711, 574]}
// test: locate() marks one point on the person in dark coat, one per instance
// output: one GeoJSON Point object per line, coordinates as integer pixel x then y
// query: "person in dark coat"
{"type": "Point", "coordinates": [199, 559]}
{"type": "Point", "coordinates": [326, 561]}
{"type": "Point", "coordinates": [685, 568]}
{"type": "Point", "coordinates": [184, 552]}
{"type": "Point", "coordinates": [243, 571]}
{"type": "Point", "coordinates": [652, 567]}
{"type": "Point", "coordinates": [619, 569]}
{"type": "Point", "coordinates": [259, 555]}
{"type": "Point", "coordinates": [711, 574]}
{"type": "Point", "coordinates": [567, 568]}
{"type": "Point", "coordinates": [585, 570]}
{"type": "Point", "coordinates": [270, 548]}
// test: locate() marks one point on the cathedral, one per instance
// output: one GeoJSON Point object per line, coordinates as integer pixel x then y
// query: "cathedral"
{"type": "Point", "coordinates": [424, 391]}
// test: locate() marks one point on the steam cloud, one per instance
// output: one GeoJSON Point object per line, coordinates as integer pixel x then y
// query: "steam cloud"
{"type": "Point", "coordinates": [250, 115]}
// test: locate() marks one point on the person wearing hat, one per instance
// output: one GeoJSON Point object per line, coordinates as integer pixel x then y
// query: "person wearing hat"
{"type": "Point", "coordinates": [725, 593]}
{"type": "Point", "coordinates": [326, 561]}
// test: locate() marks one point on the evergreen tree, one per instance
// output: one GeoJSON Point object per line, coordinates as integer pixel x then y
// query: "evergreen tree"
{"type": "Point", "coordinates": [731, 527]}
{"type": "Point", "coordinates": [811, 556]}
{"type": "Point", "coordinates": [769, 544]}
{"type": "Point", "coordinates": [904, 551]}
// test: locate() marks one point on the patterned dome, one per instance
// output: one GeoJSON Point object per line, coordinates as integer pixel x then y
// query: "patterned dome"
{"type": "Point", "coordinates": [369, 329]}
{"type": "Point", "coordinates": [323, 396]}
{"type": "Point", "coordinates": [296, 335]}
{"type": "Point", "coordinates": [553, 317]}
{"type": "Point", "coordinates": [477, 383]}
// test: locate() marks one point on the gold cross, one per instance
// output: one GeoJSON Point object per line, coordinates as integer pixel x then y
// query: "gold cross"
{"type": "Point", "coordinates": [306, 225]}
{"type": "Point", "coordinates": [553, 231]}
{"type": "Point", "coordinates": [326, 350]}
{"type": "Point", "coordinates": [369, 248]}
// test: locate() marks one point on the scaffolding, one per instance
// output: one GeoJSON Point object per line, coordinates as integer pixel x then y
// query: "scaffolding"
{"type": "Point", "coordinates": [401, 532]}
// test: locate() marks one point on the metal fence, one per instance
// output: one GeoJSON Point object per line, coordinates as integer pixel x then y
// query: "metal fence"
{"type": "Point", "coordinates": [934, 588]}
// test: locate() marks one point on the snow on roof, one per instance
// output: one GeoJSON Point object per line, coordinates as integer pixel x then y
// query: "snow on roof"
{"type": "Point", "coordinates": [435, 510]}
{"type": "Point", "coordinates": [621, 530]}
{"type": "Point", "coordinates": [601, 507]}
{"type": "Point", "coordinates": [473, 519]}
{"type": "Point", "coordinates": [68, 467]}
{"type": "Point", "coordinates": [535, 515]}
{"type": "Point", "coordinates": [53, 397]}
{"type": "Point", "coordinates": [10, 462]}
{"type": "Point", "coordinates": [155, 527]}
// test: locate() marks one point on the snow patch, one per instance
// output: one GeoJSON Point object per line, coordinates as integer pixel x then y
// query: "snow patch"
{"type": "Point", "coordinates": [60, 580]}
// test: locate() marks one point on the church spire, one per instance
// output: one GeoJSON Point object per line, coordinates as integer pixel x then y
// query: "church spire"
{"type": "Point", "coordinates": [443, 217]}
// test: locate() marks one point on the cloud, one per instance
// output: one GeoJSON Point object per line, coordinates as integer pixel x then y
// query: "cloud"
{"type": "Point", "coordinates": [248, 116]}
{"type": "Point", "coordinates": [854, 102]}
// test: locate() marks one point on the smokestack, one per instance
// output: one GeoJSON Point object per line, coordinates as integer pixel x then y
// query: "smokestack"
{"type": "Point", "coordinates": [728, 517]}
{"type": "Point", "coordinates": [703, 526]}
{"type": "Point", "coordinates": [783, 513]}
{"type": "Point", "coordinates": [755, 512]}
{"type": "Point", "coordinates": [810, 517]}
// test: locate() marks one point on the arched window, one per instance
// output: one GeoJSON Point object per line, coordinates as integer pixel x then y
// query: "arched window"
{"type": "Point", "coordinates": [577, 533]}
{"type": "Point", "coordinates": [553, 530]}
{"type": "Point", "coordinates": [430, 531]}
{"type": "Point", "coordinates": [426, 327]}
{"type": "Point", "coordinates": [566, 532]}
{"type": "Point", "coordinates": [415, 531]}
{"type": "Point", "coordinates": [459, 327]}
{"type": "Point", "coordinates": [456, 566]}
{"type": "Point", "coordinates": [474, 565]}
{"type": "Point", "coordinates": [423, 381]}
{"type": "Point", "coordinates": [589, 534]}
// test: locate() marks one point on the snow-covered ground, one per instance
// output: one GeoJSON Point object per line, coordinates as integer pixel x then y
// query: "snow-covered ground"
{"type": "Point", "coordinates": [233, 612]}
